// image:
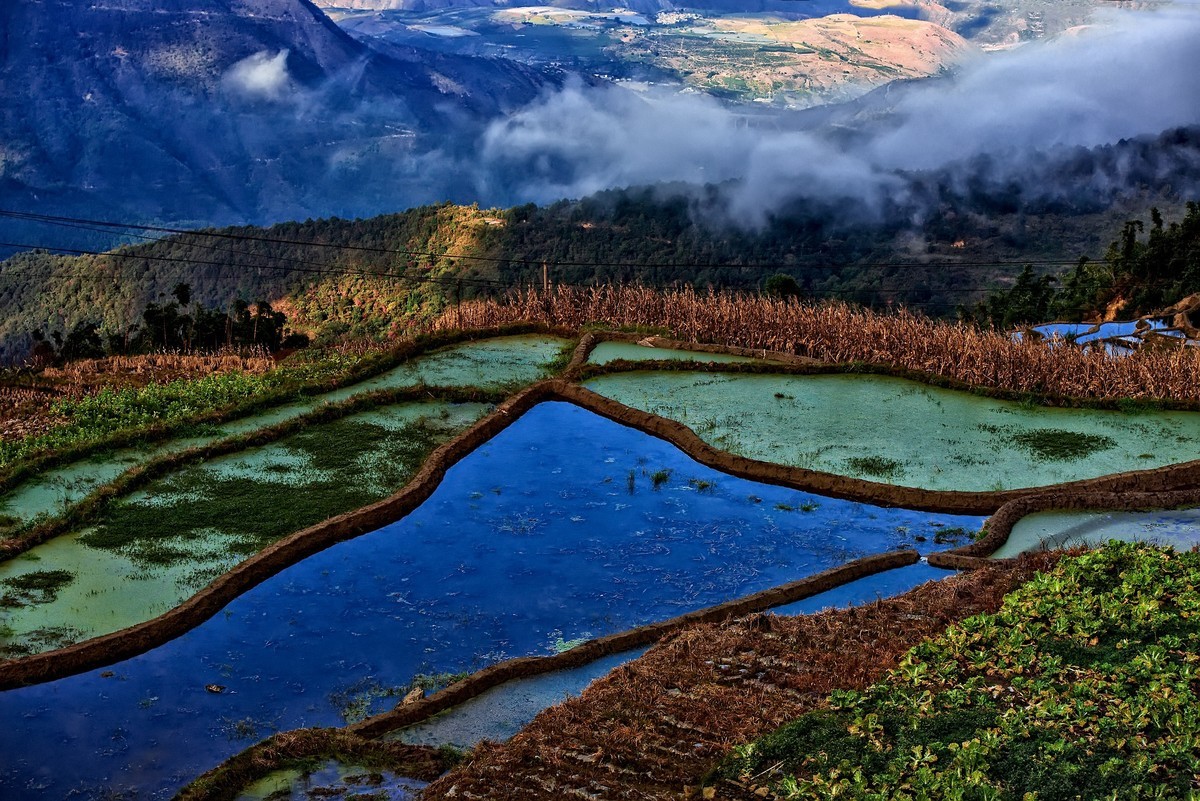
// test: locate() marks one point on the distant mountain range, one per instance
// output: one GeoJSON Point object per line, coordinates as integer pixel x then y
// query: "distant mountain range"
{"type": "Point", "coordinates": [223, 111]}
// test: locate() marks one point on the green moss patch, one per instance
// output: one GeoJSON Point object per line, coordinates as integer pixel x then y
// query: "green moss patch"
{"type": "Point", "coordinates": [877, 466]}
{"type": "Point", "coordinates": [1055, 444]}
{"type": "Point", "coordinates": [38, 587]}
{"type": "Point", "coordinates": [1083, 685]}
{"type": "Point", "coordinates": [259, 496]}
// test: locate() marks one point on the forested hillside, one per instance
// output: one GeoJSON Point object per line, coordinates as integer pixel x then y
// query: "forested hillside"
{"type": "Point", "coordinates": [943, 245]}
{"type": "Point", "coordinates": [1142, 272]}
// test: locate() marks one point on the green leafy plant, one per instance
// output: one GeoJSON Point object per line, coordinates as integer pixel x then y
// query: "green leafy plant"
{"type": "Point", "coordinates": [1083, 685]}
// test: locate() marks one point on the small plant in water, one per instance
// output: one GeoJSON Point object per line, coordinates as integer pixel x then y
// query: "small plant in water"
{"type": "Point", "coordinates": [783, 507]}
{"type": "Point", "coordinates": [1055, 444]}
{"type": "Point", "coordinates": [562, 646]}
{"type": "Point", "coordinates": [877, 466]}
{"type": "Point", "coordinates": [660, 477]}
{"type": "Point", "coordinates": [701, 485]}
{"type": "Point", "coordinates": [955, 534]}
{"type": "Point", "coordinates": [38, 587]}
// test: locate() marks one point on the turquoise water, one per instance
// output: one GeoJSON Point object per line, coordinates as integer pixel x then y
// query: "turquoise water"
{"type": "Point", "coordinates": [902, 432]}
{"type": "Point", "coordinates": [1179, 528]}
{"type": "Point", "coordinates": [491, 364]}
{"type": "Point", "coordinates": [565, 526]}
{"type": "Point", "coordinates": [333, 780]}
{"type": "Point", "coordinates": [113, 589]}
{"type": "Point", "coordinates": [607, 352]}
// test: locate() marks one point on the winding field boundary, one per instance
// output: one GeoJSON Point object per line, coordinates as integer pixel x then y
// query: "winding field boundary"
{"type": "Point", "coordinates": [129, 642]}
{"type": "Point", "coordinates": [1000, 525]}
{"type": "Point", "coordinates": [12, 475]}
{"type": "Point", "coordinates": [117, 646]}
{"type": "Point", "coordinates": [86, 508]}
{"type": "Point", "coordinates": [1164, 487]}
{"type": "Point", "coordinates": [1157, 479]}
{"type": "Point", "coordinates": [526, 666]}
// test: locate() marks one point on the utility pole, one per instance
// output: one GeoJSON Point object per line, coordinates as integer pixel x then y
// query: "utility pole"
{"type": "Point", "coordinates": [458, 303]}
{"type": "Point", "coordinates": [545, 278]}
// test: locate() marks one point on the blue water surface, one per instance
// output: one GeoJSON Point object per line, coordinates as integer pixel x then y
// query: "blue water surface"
{"type": "Point", "coordinates": [552, 531]}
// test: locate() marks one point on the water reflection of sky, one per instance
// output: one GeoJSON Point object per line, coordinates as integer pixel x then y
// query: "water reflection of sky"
{"type": "Point", "coordinates": [534, 538]}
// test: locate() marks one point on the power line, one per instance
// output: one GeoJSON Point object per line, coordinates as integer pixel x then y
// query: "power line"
{"type": "Point", "coordinates": [223, 264]}
{"type": "Point", "coordinates": [109, 225]}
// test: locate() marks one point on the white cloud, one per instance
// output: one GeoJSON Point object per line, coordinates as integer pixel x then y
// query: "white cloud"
{"type": "Point", "coordinates": [1132, 73]}
{"type": "Point", "coordinates": [261, 76]}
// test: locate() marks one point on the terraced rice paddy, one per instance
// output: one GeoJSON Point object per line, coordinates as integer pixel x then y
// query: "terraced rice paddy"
{"type": "Point", "coordinates": [565, 526]}
{"type": "Point", "coordinates": [902, 432]}
{"type": "Point", "coordinates": [606, 352]}
{"type": "Point", "coordinates": [496, 363]}
{"type": "Point", "coordinates": [1179, 528]}
{"type": "Point", "coordinates": [333, 779]}
{"type": "Point", "coordinates": [161, 545]}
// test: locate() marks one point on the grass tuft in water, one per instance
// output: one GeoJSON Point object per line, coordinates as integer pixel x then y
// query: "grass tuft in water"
{"type": "Point", "coordinates": [38, 587]}
{"type": "Point", "coordinates": [877, 466]}
{"type": "Point", "coordinates": [1055, 444]}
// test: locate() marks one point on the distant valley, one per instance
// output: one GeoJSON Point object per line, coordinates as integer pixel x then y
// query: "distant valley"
{"type": "Point", "coordinates": [787, 53]}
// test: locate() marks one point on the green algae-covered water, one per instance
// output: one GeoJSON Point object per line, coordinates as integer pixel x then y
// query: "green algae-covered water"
{"type": "Point", "coordinates": [488, 364]}
{"type": "Point", "coordinates": [161, 545]}
{"type": "Point", "coordinates": [902, 432]}
{"type": "Point", "coordinates": [1179, 528]}
{"type": "Point", "coordinates": [607, 352]}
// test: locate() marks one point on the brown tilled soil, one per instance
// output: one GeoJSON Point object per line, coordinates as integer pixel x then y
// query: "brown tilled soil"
{"type": "Point", "coordinates": [655, 727]}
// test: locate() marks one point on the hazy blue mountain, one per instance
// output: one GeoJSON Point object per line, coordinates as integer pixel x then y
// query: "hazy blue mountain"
{"type": "Point", "coordinates": [227, 110]}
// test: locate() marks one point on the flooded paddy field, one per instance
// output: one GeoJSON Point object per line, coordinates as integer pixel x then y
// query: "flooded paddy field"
{"type": "Point", "coordinates": [564, 527]}
{"type": "Point", "coordinates": [906, 433]}
{"type": "Point", "coordinates": [1179, 528]}
{"type": "Point", "coordinates": [501, 712]}
{"type": "Point", "coordinates": [159, 546]}
{"type": "Point", "coordinates": [606, 352]}
{"type": "Point", "coordinates": [333, 779]}
{"type": "Point", "coordinates": [488, 364]}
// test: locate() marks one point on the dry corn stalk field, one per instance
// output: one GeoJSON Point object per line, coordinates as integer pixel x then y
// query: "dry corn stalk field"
{"type": "Point", "coordinates": [840, 333]}
{"type": "Point", "coordinates": [122, 371]}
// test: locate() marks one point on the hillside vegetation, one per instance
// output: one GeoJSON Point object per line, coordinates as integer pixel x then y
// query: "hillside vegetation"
{"type": "Point", "coordinates": [1083, 685]}
{"type": "Point", "coordinates": [325, 274]}
{"type": "Point", "coordinates": [1142, 272]}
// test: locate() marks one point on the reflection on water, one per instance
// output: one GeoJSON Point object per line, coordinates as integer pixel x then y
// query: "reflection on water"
{"type": "Point", "coordinates": [565, 526]}
{"type": "Point", "coordinates": [1179, 528]}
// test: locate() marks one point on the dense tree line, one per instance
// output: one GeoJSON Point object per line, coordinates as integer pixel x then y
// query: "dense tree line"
{"type": "Point", "coordinates": [178, 324]}
{"type": "Point", "coordinates": [928, 247]}
{"type": "Point", "coordinates": [1142, 271]}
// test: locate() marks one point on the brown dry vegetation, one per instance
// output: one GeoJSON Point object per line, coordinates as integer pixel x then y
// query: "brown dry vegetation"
{"type": "Point", "coordinates": [656, 726]}
{"type": "Point", "coordinates": [841, 333]}
{"type": "Point", "coordinates": [25, 404]}
{"type": "Point", "coordinates": [118, 372]}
